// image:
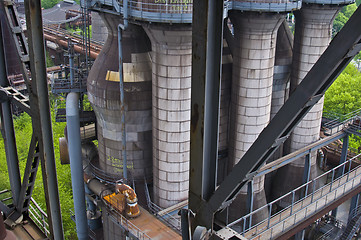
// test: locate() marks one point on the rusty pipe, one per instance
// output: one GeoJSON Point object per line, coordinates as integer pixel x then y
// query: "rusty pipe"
{"type": "Point", "coordinates": [132, 209]}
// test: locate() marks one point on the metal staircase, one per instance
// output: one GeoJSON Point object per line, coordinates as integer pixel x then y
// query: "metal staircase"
{"type": "Point", "coordinates": [31, 170]}
{"type": "Point", "coordinates": [353, 224]}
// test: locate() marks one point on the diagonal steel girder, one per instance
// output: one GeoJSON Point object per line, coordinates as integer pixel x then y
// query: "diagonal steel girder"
{"type": "Point", "coordinates": [340, 52]}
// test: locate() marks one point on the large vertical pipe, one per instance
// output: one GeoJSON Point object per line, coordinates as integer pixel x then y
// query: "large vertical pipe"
{"type": "Point", "coordinates": [253, 66]}
{"type": "Point", "coordinates": [8, 126]}
{"type": "Point", "coordinates": [38, 74]}
{"type": "Point", "coordinates": [76, 165]}
{"type": "Point", "coordinates": [122, 105]}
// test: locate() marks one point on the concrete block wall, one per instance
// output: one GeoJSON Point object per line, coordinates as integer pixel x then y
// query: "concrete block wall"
{"type": "Point", "coordinates": [104, 94]}
{"type": "Point", "coordinates": [312, 36]}
{"type": "Point", "coordinates": [171, 80]}
{"type": "Point", "coordinates": [99, 29]}
{"type": "Point", "coordinates": [253, 68]}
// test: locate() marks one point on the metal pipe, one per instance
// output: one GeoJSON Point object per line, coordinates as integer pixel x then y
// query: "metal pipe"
{"type": "Point", "coordinates": [39, 82]}
{"type": "Point", "coordinates": [76, 164]}
{"type": "Point", "coordinates": [125, 14]}
{"type": "Point", "coordinates": [71, 62]}
{"type": "Point", "coordinates": [9, 133]}
{"type": "Point", "coordinates": [122, 105]}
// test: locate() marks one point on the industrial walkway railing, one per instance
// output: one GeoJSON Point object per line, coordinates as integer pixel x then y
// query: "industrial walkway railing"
{"type": "Point", "coordinates": [318, 194]}
{"type": "Point", "coordinates": [167, 11]}
{"type": "Point", "coordinates": [39, 217]}
{"type": "Point", "coordinates": [339, 122]}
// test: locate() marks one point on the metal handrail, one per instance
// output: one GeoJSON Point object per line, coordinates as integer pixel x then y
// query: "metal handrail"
{"type": "Point", "coordinates": [339, 120]}
{"type": "Point", "coordinates": [119, 219]}
{"type": "Point", "coordinates": [39, 217]}
{"type": "Point", "coordinates": [168, 11]}
{"type": "Point", "coordinates": [325, 189]}
{"type": "Point", "coordinates": [167, 218]}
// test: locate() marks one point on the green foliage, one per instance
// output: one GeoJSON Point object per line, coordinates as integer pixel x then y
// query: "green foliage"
{"type": "Point", "coordinates": [358, 2]}
{"type": "Point", "coordinates": [345, 93]}
{"type": "Point", "coordinates": [48, 3]}
{"type": "Point", "coordinates": [344, 96]}
{"type": "Point", "coordinates": [49, 61]}
{"type": "Point", "coordinates": [343, 16]}
{"type": "Point", "coordinates": [79, 30]}
{"type": "Point", "coordinates": [23, 131]}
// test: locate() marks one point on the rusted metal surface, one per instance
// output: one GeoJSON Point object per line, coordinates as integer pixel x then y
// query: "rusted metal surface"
{"type": "Point", "coordinates": [116, 200]}
{"type": "Point", "coordinates": [153, 227]}
{"type": "Point", "coordinates": [77, 48]}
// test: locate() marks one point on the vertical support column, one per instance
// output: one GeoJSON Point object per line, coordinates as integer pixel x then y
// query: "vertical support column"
{"type": "Point", "coordinates": [171, 78]}
{"type": "Point", "coordinates": [44, 131]}
{"type": "Point", "coordinates": [354, 203]}
{"type": "Point", "coordinates": [250, 200]}
{"type": "Point", "coordinates": [306, 172]}
{"type": "Point", "coordinates": [344, 151]}
{"type": "Point", "coordinates": [253, 65]}
{"type": "Point", "coordinates": [312, 36]}
{"type": "Point", "coordinates": [341, 170]}
{"type": "Point", "coordinates": [8, 126]}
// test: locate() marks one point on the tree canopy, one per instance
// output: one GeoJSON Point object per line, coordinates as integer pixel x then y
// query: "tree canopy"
{"type": "Point", "coordinates": [344, 95]}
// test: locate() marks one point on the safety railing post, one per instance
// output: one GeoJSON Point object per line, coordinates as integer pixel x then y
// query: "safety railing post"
{"type": "Point", "coordinates": [293, 199]}
{"type": "Point", "coordinates": [269, 215]}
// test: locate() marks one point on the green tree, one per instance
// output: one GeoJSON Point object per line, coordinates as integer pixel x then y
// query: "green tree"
{"type": "Point", "coordinates": [343, 16]}
{"type": "Point", "coordinates": [344, 95]}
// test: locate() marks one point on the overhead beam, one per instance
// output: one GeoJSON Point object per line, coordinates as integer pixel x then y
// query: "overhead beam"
{"type": "Point", "coordinates": [340, 52]}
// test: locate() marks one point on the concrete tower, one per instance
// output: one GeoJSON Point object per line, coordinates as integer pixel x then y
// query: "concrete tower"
{"type": "Point", "coordinates": [312, 36]}
{"type": "Point", "coordinates": [253, 68]}
{"type": "Point", "coordinates": [171, 68]}
{"type": "Point", "coordinates": [104, 94]}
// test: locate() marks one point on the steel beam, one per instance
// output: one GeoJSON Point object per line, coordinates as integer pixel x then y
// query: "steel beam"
{"type": "Point", "coordinates": [344, 151]}
{"type": "Point", "coordinates": [306, 173]}
{"type": "Point", "coordinates": [41, 117]}
{"type": "Point", "coordinates": [9, 132]}
{"type": "Point", "coordinates": [340, 52]}
{"type": "Point", "coordinates": [206, 74]}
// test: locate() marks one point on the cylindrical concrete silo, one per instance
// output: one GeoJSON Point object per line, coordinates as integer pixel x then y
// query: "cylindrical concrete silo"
{"type": "Point", "coordinates": [104, 94]}
{"type": "Point", "coordinates": [280, 88]}
{"type": "Point", "coordinates": [255, 32]}
{"type": "Point", "coordinates": [171, 67]}
{"type": "Point", "coordinates": [312, 36]}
